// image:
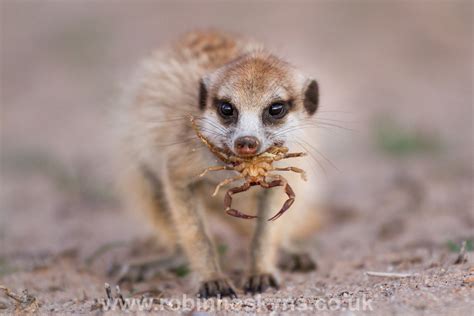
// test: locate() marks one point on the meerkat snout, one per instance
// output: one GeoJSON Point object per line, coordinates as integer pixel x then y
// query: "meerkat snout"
{"type": "Point", "coordinates": [247, 145]}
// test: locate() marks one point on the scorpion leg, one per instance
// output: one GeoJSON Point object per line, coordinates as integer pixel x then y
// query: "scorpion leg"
{"type": "Point", "coordinates": [289, 155]}
{"type": "Point", "coordinates": [289, 191]}
{"type": "Point", "coordinates": [215, 168]}
{"type": "Point", "coordinates": [294, 155]}
{"type": "Point", "coordinates": [294, 169]}
{"type": "Point", "coordinates": [228, 201]}
{"type": "Point", "coordinates": [214, 149]}
{"type": "Point", "coordinates": [225, 182]}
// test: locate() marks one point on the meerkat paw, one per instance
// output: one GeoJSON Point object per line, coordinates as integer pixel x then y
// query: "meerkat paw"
{"type": "Point", "coordinates": [297, 262]}
{"type": "Point", "coordinates": [216, 288]}
{"type": "Point", "coordinates": [260, 283]}
{"type": "Point", "coordinates": [146, 269]}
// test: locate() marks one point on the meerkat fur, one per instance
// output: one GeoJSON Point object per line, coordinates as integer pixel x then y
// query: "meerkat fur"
{"type": "Point", "coordinates": [203, 74]}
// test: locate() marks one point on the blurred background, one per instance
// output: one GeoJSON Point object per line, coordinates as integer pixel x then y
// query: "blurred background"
{"type": "Point", "coordinates": [396, 76]}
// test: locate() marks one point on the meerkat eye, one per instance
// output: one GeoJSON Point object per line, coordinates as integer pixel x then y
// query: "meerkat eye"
{"type": "Point", "coordinates": [226, 109]}
{"type": "Point", "coordinates": [277, 110]}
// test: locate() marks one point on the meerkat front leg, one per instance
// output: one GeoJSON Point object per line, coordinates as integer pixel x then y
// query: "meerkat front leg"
{"type": "Point", "coordinates": [144, 191]}
{"type": "Point", "coordinates": [194, 238]}
{"type": "Point", "coordinates": [264, 248]}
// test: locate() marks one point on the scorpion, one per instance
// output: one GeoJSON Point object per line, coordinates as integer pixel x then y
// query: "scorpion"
{"type": "Point", "coordinates": [254, 170]}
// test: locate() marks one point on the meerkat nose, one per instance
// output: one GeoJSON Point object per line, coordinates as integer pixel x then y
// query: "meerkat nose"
{"type": "Point", "coordinates": [247, 145]}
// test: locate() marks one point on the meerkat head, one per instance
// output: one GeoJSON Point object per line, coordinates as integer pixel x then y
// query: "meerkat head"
{"type": "Point", "coordinates": [249, 103]}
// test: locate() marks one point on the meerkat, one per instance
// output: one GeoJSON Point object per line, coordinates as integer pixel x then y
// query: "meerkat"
{"type": "Point", "coordinates": [245, 100]}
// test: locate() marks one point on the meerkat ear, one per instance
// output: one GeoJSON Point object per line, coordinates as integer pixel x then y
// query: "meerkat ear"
{"type": "Point", "coordinates": [311, 97]}
{"type": "Point", "coordinates": [202, 94]}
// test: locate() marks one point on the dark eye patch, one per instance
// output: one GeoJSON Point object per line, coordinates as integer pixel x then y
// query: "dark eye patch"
{"type": "Point", "coordinates": [226, 110]}
{"type": "Point", "coordinates": [276, 111]}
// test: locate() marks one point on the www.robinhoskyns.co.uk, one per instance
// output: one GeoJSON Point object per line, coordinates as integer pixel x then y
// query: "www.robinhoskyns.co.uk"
{"type": "Point", "coordinates": [248, 305]}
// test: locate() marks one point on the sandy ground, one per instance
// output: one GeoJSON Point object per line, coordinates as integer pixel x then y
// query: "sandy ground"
{"type": "Point", "coordinates": [398, 74]}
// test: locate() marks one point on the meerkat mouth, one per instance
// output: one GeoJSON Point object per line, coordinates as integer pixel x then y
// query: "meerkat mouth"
{"type": "Point", "coordinates": [248, 156]}
{"type": "Point", "coordinates": [230, 152]}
